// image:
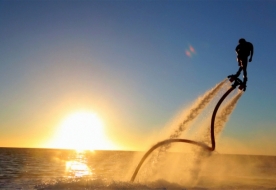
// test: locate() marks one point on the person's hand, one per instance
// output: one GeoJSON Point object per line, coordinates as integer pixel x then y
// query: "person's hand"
{"type": "Point", "coordinates": [250, 59]}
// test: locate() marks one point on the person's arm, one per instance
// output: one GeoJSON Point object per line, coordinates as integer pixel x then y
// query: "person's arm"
{"type": "Point", "coordinates": [251, 53]}
{"type": "Point", "coordinates": [237, 49]}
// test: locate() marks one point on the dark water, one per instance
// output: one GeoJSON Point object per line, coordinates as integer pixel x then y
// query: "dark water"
{"type": "Point", "coordinates": [68, 169]}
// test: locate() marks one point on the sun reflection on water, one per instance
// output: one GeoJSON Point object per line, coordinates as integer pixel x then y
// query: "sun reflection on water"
{"type": "Point", "coordinates": [77, 166]}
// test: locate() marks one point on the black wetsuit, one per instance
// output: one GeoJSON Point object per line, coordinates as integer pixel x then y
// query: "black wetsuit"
{"type": "Point", "coordinates": [243, 50]}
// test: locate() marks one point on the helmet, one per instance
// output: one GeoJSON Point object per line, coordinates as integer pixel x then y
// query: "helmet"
{"type": "Point", "coordinates": [242, 40]}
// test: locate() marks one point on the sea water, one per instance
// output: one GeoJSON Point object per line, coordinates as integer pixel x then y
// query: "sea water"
{"type": "Point", "coordinates": [23, 168]}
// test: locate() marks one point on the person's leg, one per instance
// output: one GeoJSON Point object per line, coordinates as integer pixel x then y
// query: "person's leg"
{"type": "Point", "coordinates": [244, 67]}
{"type": "Point", "coordinates": [240, 68]}
{"type": "Point", "coordinates": [238, 72]}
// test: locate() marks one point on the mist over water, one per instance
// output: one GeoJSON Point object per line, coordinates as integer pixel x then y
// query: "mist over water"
{"type": "Point", "coordinates": [200, 156]}
{"type": "Point", "coordinates": [168, 167]}
{"type": "Point", "coordinates": [190, 169]}
{"type": "Point", "coordinates": [156, 159]}
{"type": "Point", "coordinates": [46, 170]}
{"type": "Point", "coordinates": [196, 108]}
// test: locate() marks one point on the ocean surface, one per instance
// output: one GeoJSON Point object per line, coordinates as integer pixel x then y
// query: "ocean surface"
{"type": "Point", "coordinates": [24, 168]}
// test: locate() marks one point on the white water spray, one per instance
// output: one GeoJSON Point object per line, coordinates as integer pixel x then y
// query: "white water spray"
{"type": "Point", "coordinates": [195, 110]}
{"type": "Point", "coordinates": [200, 155]}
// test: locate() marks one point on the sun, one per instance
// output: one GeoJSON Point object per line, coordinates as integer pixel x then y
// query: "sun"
{"type": "Point", "coordinates": [82, 130]}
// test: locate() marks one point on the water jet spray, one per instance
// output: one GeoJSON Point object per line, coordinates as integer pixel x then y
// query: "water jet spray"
{"type": "Point", "coordinates": [236, 82]}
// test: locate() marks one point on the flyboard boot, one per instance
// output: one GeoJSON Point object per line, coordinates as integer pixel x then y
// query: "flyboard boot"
{"type": "Point", "coordinates": [233, 77]}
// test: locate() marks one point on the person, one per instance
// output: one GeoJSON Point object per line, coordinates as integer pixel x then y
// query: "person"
{"type": "Point", "coordinates": [243, 50]}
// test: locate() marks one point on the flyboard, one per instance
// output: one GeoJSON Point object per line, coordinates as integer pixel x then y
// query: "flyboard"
{"type": "Point", "coordinates": [235, 82]}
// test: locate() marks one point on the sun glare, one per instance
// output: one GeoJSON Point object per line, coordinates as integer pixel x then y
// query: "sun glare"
{"type": "Point", "coordinates": [81, 131]}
